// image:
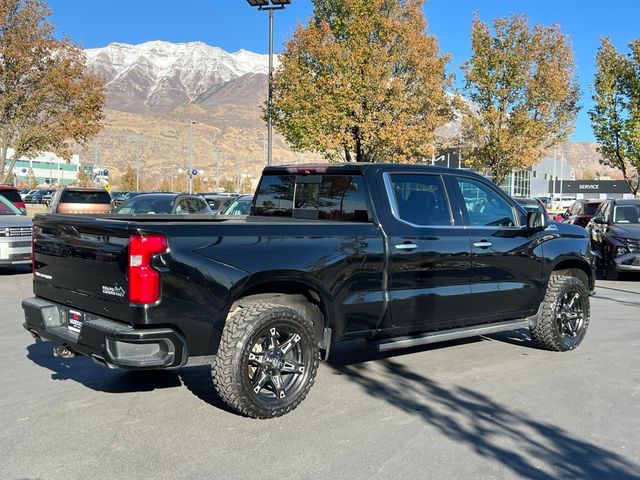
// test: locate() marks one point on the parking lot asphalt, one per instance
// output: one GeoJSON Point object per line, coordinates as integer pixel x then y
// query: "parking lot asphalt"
{"type": "Point", "coordinates": [484, 408]}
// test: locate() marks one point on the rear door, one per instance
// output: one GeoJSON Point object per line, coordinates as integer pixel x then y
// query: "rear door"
{"type": "Point", "coordinates": [507, 274]}
{"type": "Point", "coordinates": [430, 263]}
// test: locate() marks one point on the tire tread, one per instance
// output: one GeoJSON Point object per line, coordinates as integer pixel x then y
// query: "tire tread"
{"type": "Point", "coordinates": [238, 328]}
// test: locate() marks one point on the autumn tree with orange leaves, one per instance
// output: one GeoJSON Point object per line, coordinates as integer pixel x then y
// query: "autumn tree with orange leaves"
{"type": "Point", "coordinates": [364, 81]}
{"type": "Point", "coordinates": [47, 97]}
{"type": "Point", "coordinates": [522, 95]}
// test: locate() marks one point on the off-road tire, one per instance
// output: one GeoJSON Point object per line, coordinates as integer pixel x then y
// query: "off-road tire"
{"type": "Point", "coordinates": [230, 369]}
{"type": "Point", "coordinates": [548, 332]}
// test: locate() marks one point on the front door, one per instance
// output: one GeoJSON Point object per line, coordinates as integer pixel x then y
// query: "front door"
{"type": "Point", "coordinates": [507, 273]}
{"type": "Point", "coordinates": [430, 261]}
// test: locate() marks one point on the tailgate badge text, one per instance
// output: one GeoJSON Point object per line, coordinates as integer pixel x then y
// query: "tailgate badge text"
{"type": "Point", "coordinates": [115, 291]}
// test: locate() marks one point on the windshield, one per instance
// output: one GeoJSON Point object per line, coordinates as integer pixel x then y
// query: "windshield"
{"type": "Point", "coordinates": [8, 208]}
{"type": "Point", "coordinates": [143, 204]}
{"type": "Point", "coordinates": [626, 214]}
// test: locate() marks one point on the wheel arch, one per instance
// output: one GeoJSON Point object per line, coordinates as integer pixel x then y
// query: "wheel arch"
{"type": "Point", "coordinates": [307, 298]}
{"type": "Point", "coordinates": [577, 268]}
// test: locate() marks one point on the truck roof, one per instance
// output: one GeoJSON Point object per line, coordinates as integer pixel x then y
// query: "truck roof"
{"type": "Point", "coordinates": [354, 168]}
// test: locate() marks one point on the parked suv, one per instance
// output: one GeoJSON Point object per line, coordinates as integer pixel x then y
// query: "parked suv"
{"type": "Point", "coordinates": [80, 201]}
{"type": "Point", "coordinates": [615, 237]}
{"type": "Point", "coordinates": [15, 234]}
{"type": "Point", "coordinates": [581, 211]}
{"type": "Point", "coordinates": [13, 195]}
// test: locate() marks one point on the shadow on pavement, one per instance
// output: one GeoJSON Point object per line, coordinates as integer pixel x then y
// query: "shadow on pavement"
{"type": "Point", "coordinates": [83, 370]}
{"type": "Point", "coordinates": [15, 270]}
{"type": "Point", "coordinates": [528, 447]}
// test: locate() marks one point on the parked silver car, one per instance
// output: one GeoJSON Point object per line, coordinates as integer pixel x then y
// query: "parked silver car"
{"type": "Point", "coordinates": [15, 235]}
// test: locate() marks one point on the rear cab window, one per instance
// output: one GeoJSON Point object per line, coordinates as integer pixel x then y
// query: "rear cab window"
{"type": "Point", "coordinates": [322, 197]}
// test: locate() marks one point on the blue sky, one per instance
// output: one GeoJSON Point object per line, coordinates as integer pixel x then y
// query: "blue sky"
{"type": "Point", "coordinates": [232, 25]}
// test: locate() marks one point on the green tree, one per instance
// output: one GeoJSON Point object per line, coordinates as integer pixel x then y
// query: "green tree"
{"type": "Point", "coordinates": [615, 117]}
{"type": "Point", "coordinates": [523, 95]}
{"type": "Point", "coordinates": [228, 185]}
{"type": "Point", "coordinates": [165, 186]}
{"type": "Point", "coordinates": [32, 180]}
{"type": "Point", "coordinates": [196, 183]}
{"type": "Point", "coordinates": [362, 82]}
{"type": "Point", "coordinates": [128, 180]}
{"type": "Point", "coordinates": [47, 97]}
{"type": "Point", "coordinates": [83, 179]}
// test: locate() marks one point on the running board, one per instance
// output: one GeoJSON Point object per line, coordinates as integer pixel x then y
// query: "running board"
{"type": "Point", "coordinates": [444, 335]}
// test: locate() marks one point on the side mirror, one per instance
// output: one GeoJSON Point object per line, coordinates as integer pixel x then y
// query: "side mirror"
{"type": "Point", "coordinates": [600, 220]}
{"type": "Point", "coordinates": [536, 220]}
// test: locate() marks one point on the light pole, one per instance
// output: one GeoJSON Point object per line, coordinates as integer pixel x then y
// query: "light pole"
{"type": "Point", "coordinates": [137, 164]}
{"type": "Point", "coordinates": [270, 6]}
{"type": "Point", "coordinates": [189, 177]}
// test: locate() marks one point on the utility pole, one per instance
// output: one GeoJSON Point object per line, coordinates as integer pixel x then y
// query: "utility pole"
{"type": "Point", "coordinates": [189, 175]}
{"type": "Point", "coordinates": [216, 159]}
{"type": "Point", "coordinates": [561, 173]}
{"type": "Point", "coordinates": [137, 164]}
{"type": "Point", "coordinates": [553, 187]}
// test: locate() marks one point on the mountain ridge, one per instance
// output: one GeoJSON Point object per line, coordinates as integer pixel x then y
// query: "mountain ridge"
{"type": "Point", "coordinates": [154, 89]}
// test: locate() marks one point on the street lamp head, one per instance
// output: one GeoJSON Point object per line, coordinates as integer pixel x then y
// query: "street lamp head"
{"type": "Point", "coordinates": [265, 3]}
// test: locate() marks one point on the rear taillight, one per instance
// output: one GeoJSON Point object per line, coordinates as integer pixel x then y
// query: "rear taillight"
{"type": "Point", "coordinates": [144, 281]}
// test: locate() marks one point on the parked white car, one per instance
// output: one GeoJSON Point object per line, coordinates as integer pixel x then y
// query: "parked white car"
{"type": "Point", "coordinates": [15, 235]}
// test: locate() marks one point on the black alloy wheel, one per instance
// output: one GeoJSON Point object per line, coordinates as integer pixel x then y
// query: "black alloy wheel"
{"type": "Point", "coordinates": [276, 363]}
{"type": "Point", "coordinates": [267, 360]}
{"type": "Point", "coordinates": [564, 315]}
{"type": "Point", "coordinates": [571, 317]}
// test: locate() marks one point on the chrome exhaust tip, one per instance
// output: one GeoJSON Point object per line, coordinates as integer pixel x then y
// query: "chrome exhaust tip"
{"type": "Point", "coordinates": [63, 352]}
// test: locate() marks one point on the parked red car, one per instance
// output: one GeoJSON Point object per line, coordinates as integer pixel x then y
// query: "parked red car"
{"type": "Point", "coordinates": [12, 194]}
{"type": "Point", "coordinates": [581, 211]}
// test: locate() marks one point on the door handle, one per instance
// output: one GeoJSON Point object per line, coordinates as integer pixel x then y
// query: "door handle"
{"type": "Point", "coordinates": [483, 244]}
{"type": "Point", "coordinates": [406, 246]}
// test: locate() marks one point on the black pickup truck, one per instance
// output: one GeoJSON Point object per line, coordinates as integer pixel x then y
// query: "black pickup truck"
{"type": "Point", "coordinates": [400, 255]}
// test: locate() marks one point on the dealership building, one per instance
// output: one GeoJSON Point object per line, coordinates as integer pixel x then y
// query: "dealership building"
{"type": "Point", "coordinates": [47, 169]}
{"type": "Point", "coordinates": [530, 182]}
{"type": "Point", "coordinates": [592, 189]}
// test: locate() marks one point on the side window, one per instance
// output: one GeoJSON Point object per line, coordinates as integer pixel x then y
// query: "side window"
{"type": "Point", "coordinates": [575, 209]}
{"type": "Point", "coordinates": [421, 199]}
{"type": "Point", "coordinates": [485, 207]}
{"type": "Point", "coordinates": [343, 197]}
{"type": "Point", "coordinates": [274, 197]}
{"type": "Point", "coordinates": [182, 207]}
{"type": "Point", "coordinates": [606, 211]}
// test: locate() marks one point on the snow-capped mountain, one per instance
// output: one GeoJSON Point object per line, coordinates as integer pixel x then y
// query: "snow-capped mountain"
{"type": "Point", "coordinates": [159, 76]}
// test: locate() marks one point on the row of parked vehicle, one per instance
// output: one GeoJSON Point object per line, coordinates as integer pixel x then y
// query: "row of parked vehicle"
{"type": "Point", "coordinates": [614, 231]}
{"type": "Point", "coordinates": [15, 225]}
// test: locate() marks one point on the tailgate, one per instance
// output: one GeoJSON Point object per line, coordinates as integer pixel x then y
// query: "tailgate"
{"type": "Point", "coordinates": [82, 262]}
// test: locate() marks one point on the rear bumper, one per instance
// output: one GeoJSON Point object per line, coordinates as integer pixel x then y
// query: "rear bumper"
{"type": "Point", "coordinates": [114, 344]}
